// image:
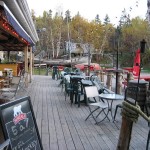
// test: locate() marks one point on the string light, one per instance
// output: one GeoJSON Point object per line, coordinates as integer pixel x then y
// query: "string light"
{"type": "Point", "coordinates": [8, 27]}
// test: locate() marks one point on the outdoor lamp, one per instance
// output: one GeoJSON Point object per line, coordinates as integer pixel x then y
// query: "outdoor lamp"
{"type": "Point", "coordinates": [142, 45]}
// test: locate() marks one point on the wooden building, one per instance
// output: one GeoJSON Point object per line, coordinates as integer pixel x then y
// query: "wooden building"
{"type": "Point", "coordinates": [17, 30]}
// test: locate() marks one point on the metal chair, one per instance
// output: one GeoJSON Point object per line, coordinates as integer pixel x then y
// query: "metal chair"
{"type": "Point", "coordinates": [78, 92]}
{"type": "Point", "coordinates": [92, 92]}
{"type": "Point", "coordinates": [130, 95]}
{"type": "Point", "coordinates": [63, 77]}
{"type": "Point", "coordinates": [68, 89]}
{"type": "Point", "coordinates": [73, 88]}
{"type": "Point", "coordinates": [100, 86]}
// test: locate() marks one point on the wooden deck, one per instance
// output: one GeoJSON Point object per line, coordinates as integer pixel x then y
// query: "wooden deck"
{"type": "Point", "coordinates": [63, 127]}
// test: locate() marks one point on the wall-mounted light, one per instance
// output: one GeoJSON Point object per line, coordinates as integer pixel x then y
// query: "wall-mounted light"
{"type": "Point", "coordinates": [142, 45]}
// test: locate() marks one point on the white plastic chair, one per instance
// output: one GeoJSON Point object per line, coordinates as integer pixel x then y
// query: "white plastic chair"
{"type": "Point", "coordinates": [101, 105]}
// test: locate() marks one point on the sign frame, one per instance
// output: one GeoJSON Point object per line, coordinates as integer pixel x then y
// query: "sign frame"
{"type": "Point", "coordinates": [14, 103]}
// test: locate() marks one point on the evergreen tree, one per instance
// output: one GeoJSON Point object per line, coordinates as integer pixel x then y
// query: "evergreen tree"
{"type": "Point", "coordinates": [50, 13]}
{"type": "Point", "coordinates": [97, 19]}
{"type": "Point", "coordinates": [106, 19]}
{"type": "Point", "coordinates": [67, 16]}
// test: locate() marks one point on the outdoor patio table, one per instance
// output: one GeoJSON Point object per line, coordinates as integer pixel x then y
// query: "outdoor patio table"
{"type": "Point", "coordinates": [86, 83]}
{"type": "Point", "coordinates": [77, 77]}
{"type": "Point", "coordinates": [72, 73]}
{"type": "Point", "coordinates": [110, 97]}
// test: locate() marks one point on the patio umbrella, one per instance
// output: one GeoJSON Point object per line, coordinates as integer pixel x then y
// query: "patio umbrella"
{"type": "Point", "coordinates": [80, 66]}
{"type": "Point", "coordinates": [93, 66]}
{"type": "Point", "coordinates": [136, 65]}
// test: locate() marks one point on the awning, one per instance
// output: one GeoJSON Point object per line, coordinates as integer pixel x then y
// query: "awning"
{"type": "Point", "coordinates": [15, 24]}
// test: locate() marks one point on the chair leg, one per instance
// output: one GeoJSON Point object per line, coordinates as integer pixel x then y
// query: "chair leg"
{"type": "Point", "coordinates": [91, 113]}
{"type": "Point", "coordinates": [78, 100]}
{"type": "Point", "coordinates": [116, 111]}
{"type": "Point", "coordinates": [106, 114]}
{"type": "Point", "coordinates": [94, 99]}
{"type": "Point", "coordinates": [62, 85]}
{"type": "Point", "coordinates": [71, 97]}
{"type": "Point", "coordinates": [76, 97]}
{"type": "Point", "coordinates": [65, 95]}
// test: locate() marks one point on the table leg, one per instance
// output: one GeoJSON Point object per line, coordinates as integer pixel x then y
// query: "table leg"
{"type": "Point", "coordinates": [111, 110]}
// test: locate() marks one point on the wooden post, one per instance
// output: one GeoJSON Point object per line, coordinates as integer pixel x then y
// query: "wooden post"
{"type": "Point", "coordinates": [109, 80]}
{"type": "Point", "coordinates": [32, 63]}
{"type": "Point", "coordinates": [102, 76]}
{"type": "Point", "coordinates": [129, 77]}
{"type": "Point", "coordinates": [26, 62]}
{"type": "Point", "coordinates": [125, 134]}
{"type": "Point", "coordinates": [30, 73]}
{"type": "Point", "coordinates": [26, 58]}
{"type": "Point", "coordinates": [119, 83]}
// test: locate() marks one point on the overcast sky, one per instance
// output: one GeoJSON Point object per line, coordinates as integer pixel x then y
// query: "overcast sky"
{"type": "Point", "coordinates": [90, 8]}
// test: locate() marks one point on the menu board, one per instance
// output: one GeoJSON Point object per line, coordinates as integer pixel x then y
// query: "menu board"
{"type": "Point", "coordinates": [19, 125]}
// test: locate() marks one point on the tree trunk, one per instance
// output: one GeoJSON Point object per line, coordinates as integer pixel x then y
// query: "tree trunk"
{"type": "Point", "coordinates": [52, 41]}
{"type": "Point", "coordinates": [58, 45]}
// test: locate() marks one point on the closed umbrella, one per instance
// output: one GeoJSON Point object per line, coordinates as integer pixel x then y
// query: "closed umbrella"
{"type": "Point", "coordinates": [136, 65]}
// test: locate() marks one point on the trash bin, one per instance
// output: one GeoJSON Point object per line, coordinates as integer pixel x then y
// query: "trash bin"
{"type": "Point", "coordinates": [141, 95]}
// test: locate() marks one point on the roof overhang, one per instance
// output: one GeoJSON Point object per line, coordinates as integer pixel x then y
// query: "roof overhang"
{"type": "Point", "coordinates": [20, 10]}
{"type": "Point", "coordinates": [13, 37]}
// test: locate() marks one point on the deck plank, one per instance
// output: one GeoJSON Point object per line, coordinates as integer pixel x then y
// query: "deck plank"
{"type": "Point", "coordinates": [63, 127]}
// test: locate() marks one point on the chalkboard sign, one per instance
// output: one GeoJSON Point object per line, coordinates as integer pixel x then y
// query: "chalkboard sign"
{"type": "Point", "coordinates": [19, 125]}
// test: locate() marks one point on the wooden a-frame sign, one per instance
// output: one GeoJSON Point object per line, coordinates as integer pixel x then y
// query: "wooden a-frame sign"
{"type": "Point", "coordinates": [19, 125]}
